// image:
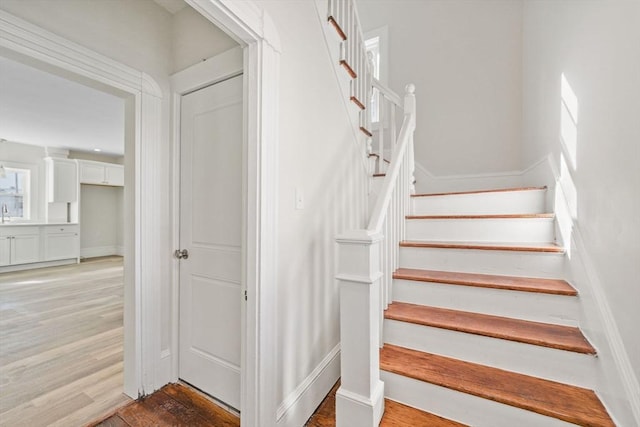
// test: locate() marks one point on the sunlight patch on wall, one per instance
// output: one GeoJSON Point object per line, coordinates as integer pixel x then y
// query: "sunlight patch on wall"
{"type": "Point", "coordinates": [569, 121]}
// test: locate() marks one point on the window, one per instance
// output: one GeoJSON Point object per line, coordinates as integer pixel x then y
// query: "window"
{"type": "Point", "coordinates": [372, 46]}
{"type": "Point", "coordinates": [14, 192]}
{"type": "Point", "coordinates": [376, 47]}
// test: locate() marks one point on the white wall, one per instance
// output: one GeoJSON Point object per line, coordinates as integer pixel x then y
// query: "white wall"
{"type": "Point", "coordinates": [100, 220]}
{"type": "Point", "coordinates": [465, 59]}
{"type": "Point", "coordinates": [596, 45]}
{"type": "Point", "coordinates": [187, 26]}
{"type": "Point", "coordinates": [319, 156]}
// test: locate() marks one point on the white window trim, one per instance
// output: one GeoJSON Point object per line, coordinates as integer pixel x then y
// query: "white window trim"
{"type": "Point", "coordinates": [31, 202]}
{"type": "Point", "coordinates": [382, 33]}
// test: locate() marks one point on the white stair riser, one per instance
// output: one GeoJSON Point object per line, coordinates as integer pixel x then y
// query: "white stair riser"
{"type": "Point", "coordinates": [503, 202]}
{"type": "Point", "coordinates": [533, 230]}
{"type": "Point", "coordinates": [537, 307]}
{"type": "Point", "coordinates": [510, 263]}
{"type": "Point", "coordinates": [465, 408]}
{"type": "Point", "coordinates": [543, 362]}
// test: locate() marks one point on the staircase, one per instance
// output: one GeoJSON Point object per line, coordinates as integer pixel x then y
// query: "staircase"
{"type": "Point", "coordinates": [482, 329]}
{"type": "Point", "coordinates": [453, 304]}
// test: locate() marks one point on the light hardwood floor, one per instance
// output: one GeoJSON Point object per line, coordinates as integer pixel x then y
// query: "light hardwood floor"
{"type": "Point", "coordinates": [61, 344]}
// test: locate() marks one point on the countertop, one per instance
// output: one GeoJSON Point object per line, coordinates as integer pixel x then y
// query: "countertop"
{"type": "Point", "coordinates": [33, 224]}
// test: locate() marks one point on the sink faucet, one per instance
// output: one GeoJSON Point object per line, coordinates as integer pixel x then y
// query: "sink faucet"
{"type": "Point", "coordinates": [5, 212]}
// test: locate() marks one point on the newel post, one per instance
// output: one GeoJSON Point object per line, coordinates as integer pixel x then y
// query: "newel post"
{"type": "Point", "coordinates": [360, 398]}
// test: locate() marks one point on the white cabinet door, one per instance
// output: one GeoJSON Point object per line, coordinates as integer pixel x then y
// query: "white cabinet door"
{"type": "Point", "coordinates": [62, 180]}
{"type": "Point", "coordinates": [25, 247]}
{"type": "Point", "coordinates": [5, 250]}
{"type": "Point", "coordinates": [91, 173]}
{"type": "Point", "coordinates": [114, 175]}
{"type": "Point", "coordinates": [99, 173]}
{"type": "Point", "coordinates": [61, 242]}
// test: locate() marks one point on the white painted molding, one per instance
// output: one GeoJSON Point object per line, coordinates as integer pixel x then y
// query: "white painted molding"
{"type": "Point", "coordinates": [34, 42]}
{"type": "Point", "coordinates": [220, 67]}
{"type": "Point", "coordinates": [429, 182]}
{"type": "Point", "coordinates": [98, 251]}
{"type": "Point", "coordinates": [251, 26]}
{"type": "Point", "coordinates": [142, 328]}
{"type": "Point", "coordinates": [298, 406]}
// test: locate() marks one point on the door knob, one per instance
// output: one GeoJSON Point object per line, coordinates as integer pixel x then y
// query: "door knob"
{"type": "Point", "coordinates": [181, 254]}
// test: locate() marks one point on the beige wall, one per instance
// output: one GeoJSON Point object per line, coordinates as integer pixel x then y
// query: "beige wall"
{"type": "Point", "coordinates": [465, 58]}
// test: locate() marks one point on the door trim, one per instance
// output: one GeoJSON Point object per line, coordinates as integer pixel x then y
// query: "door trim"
{"type": "Point", "coordinates": [216, 69]}
{"type": "Point", "coordinates": [253, 29]}
{"type": "Point", "coordinates": [143, 98]}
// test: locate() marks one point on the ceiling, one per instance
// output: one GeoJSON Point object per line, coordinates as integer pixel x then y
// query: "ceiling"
{"type": "Point", "coordinates": [40, 108]}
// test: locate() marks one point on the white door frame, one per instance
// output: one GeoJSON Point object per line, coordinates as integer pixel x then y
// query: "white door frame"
{"type": "Point", "coordinates": [254, 30]}
{"type": "Point", "coordinates": [221, 67]}
{"type": "Point", "coordinates": [143, 98]}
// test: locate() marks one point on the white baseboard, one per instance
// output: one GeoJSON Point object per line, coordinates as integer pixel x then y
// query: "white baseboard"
{"type": "Point", "coordinates": [20, 267]}
{"type": "Point", "coordinates": [300, 404]}
{"type": "Point", "coordinates": [427, 182]}
{"type": "Point", "coordinates": [97, 251]}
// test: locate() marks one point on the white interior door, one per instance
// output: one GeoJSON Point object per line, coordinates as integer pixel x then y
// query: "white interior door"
{"type": "Point", "coordinates": [211, 229]}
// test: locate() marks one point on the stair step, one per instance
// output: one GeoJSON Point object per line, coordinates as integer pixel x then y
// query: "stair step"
{"type": "Point", "coordinates": [513, 283]}
{"type": "Point", "coordinates": [513, 201]}
{"type": "Point", "coordinates": [461, 258]}
{"type": "Point", "coordinates": [397, 414]}
{"type": "Point", "coordinates": [516, 247]}
{"type": "Point", "coordinates": [536, 333]}
{"type": "Point", "coordinates": [492, 216]}
{"type": "Point", "coordinates": [538, 228]}
{"type": "Point", "coordinates": [497, 190]}
{"type": "Point", "coordinates": [566, 402]}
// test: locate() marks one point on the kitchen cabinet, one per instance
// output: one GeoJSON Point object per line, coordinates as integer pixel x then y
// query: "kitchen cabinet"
{"type": "Point", "coordinates": [99, 173]}
{"type": "Point", "coordinates": [19, 245]}
{"type": "Point", "coordinates": [62, 180]}
{"type": "Point", "coordinates": [61, 242]}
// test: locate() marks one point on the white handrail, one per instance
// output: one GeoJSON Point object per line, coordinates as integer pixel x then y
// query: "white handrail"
{"type": "Point", "coordinates": [406, 134]}
{"type": "Point", "coordinates": [388, 93]}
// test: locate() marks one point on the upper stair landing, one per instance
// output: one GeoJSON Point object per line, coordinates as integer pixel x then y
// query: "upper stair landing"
{"type": "Point", "coordinates": [508, 201]}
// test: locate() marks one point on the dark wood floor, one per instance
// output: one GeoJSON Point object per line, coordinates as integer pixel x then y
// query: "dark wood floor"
{"type": "Point", "coordinates": [180, 405]}
{"type": "Point", "coordinates": [173, 405]}
{"type": "Point", "coordinates": [395, 415]}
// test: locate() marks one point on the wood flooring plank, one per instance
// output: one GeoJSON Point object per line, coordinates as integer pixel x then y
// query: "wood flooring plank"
{"type": "Point", "coordinates": [203, 406]}
{"type": "Point", "coordinates": [517, 247]}
{"type": "Point", "coordinates": [525, 284]}
{"type": "Point", "coordinates": [395, 415]}
{"type": "Point", "coordinates": [536, 333]}
{"type": "Point", "coordinates": [398, 415]}
{"type": "Point", "coordinates": [569, 403]}
{"type": "Point", "coordinates": [62, 336]}
{"type": "Point", "coordinates": [114, 421]}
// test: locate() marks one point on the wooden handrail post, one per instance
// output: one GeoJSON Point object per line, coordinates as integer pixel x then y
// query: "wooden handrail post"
{"type": "Point", "coordinates": [360, 398]}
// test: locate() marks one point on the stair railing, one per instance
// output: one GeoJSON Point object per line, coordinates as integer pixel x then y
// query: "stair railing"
{"type": "Point", "coordinates": [387, 100]}
{"type": "Point", "coordinates": [366, 261]}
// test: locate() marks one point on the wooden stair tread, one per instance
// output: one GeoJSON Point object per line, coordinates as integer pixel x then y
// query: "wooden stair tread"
{"type": "Point", "coordinates": [566, 402]}
{"type": "Point", "coordinates": [526, 284]}
{"type": "Point", "coordinates": [536, 333]}
{"type": "Point", "coordinates": [399, 415]}
{"type": "Point", "coordinates": [517, 247]}
{"type": "Point", "coordinates": [501, 216]}
{"type": "Point", "coordinates": [498, 190]}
